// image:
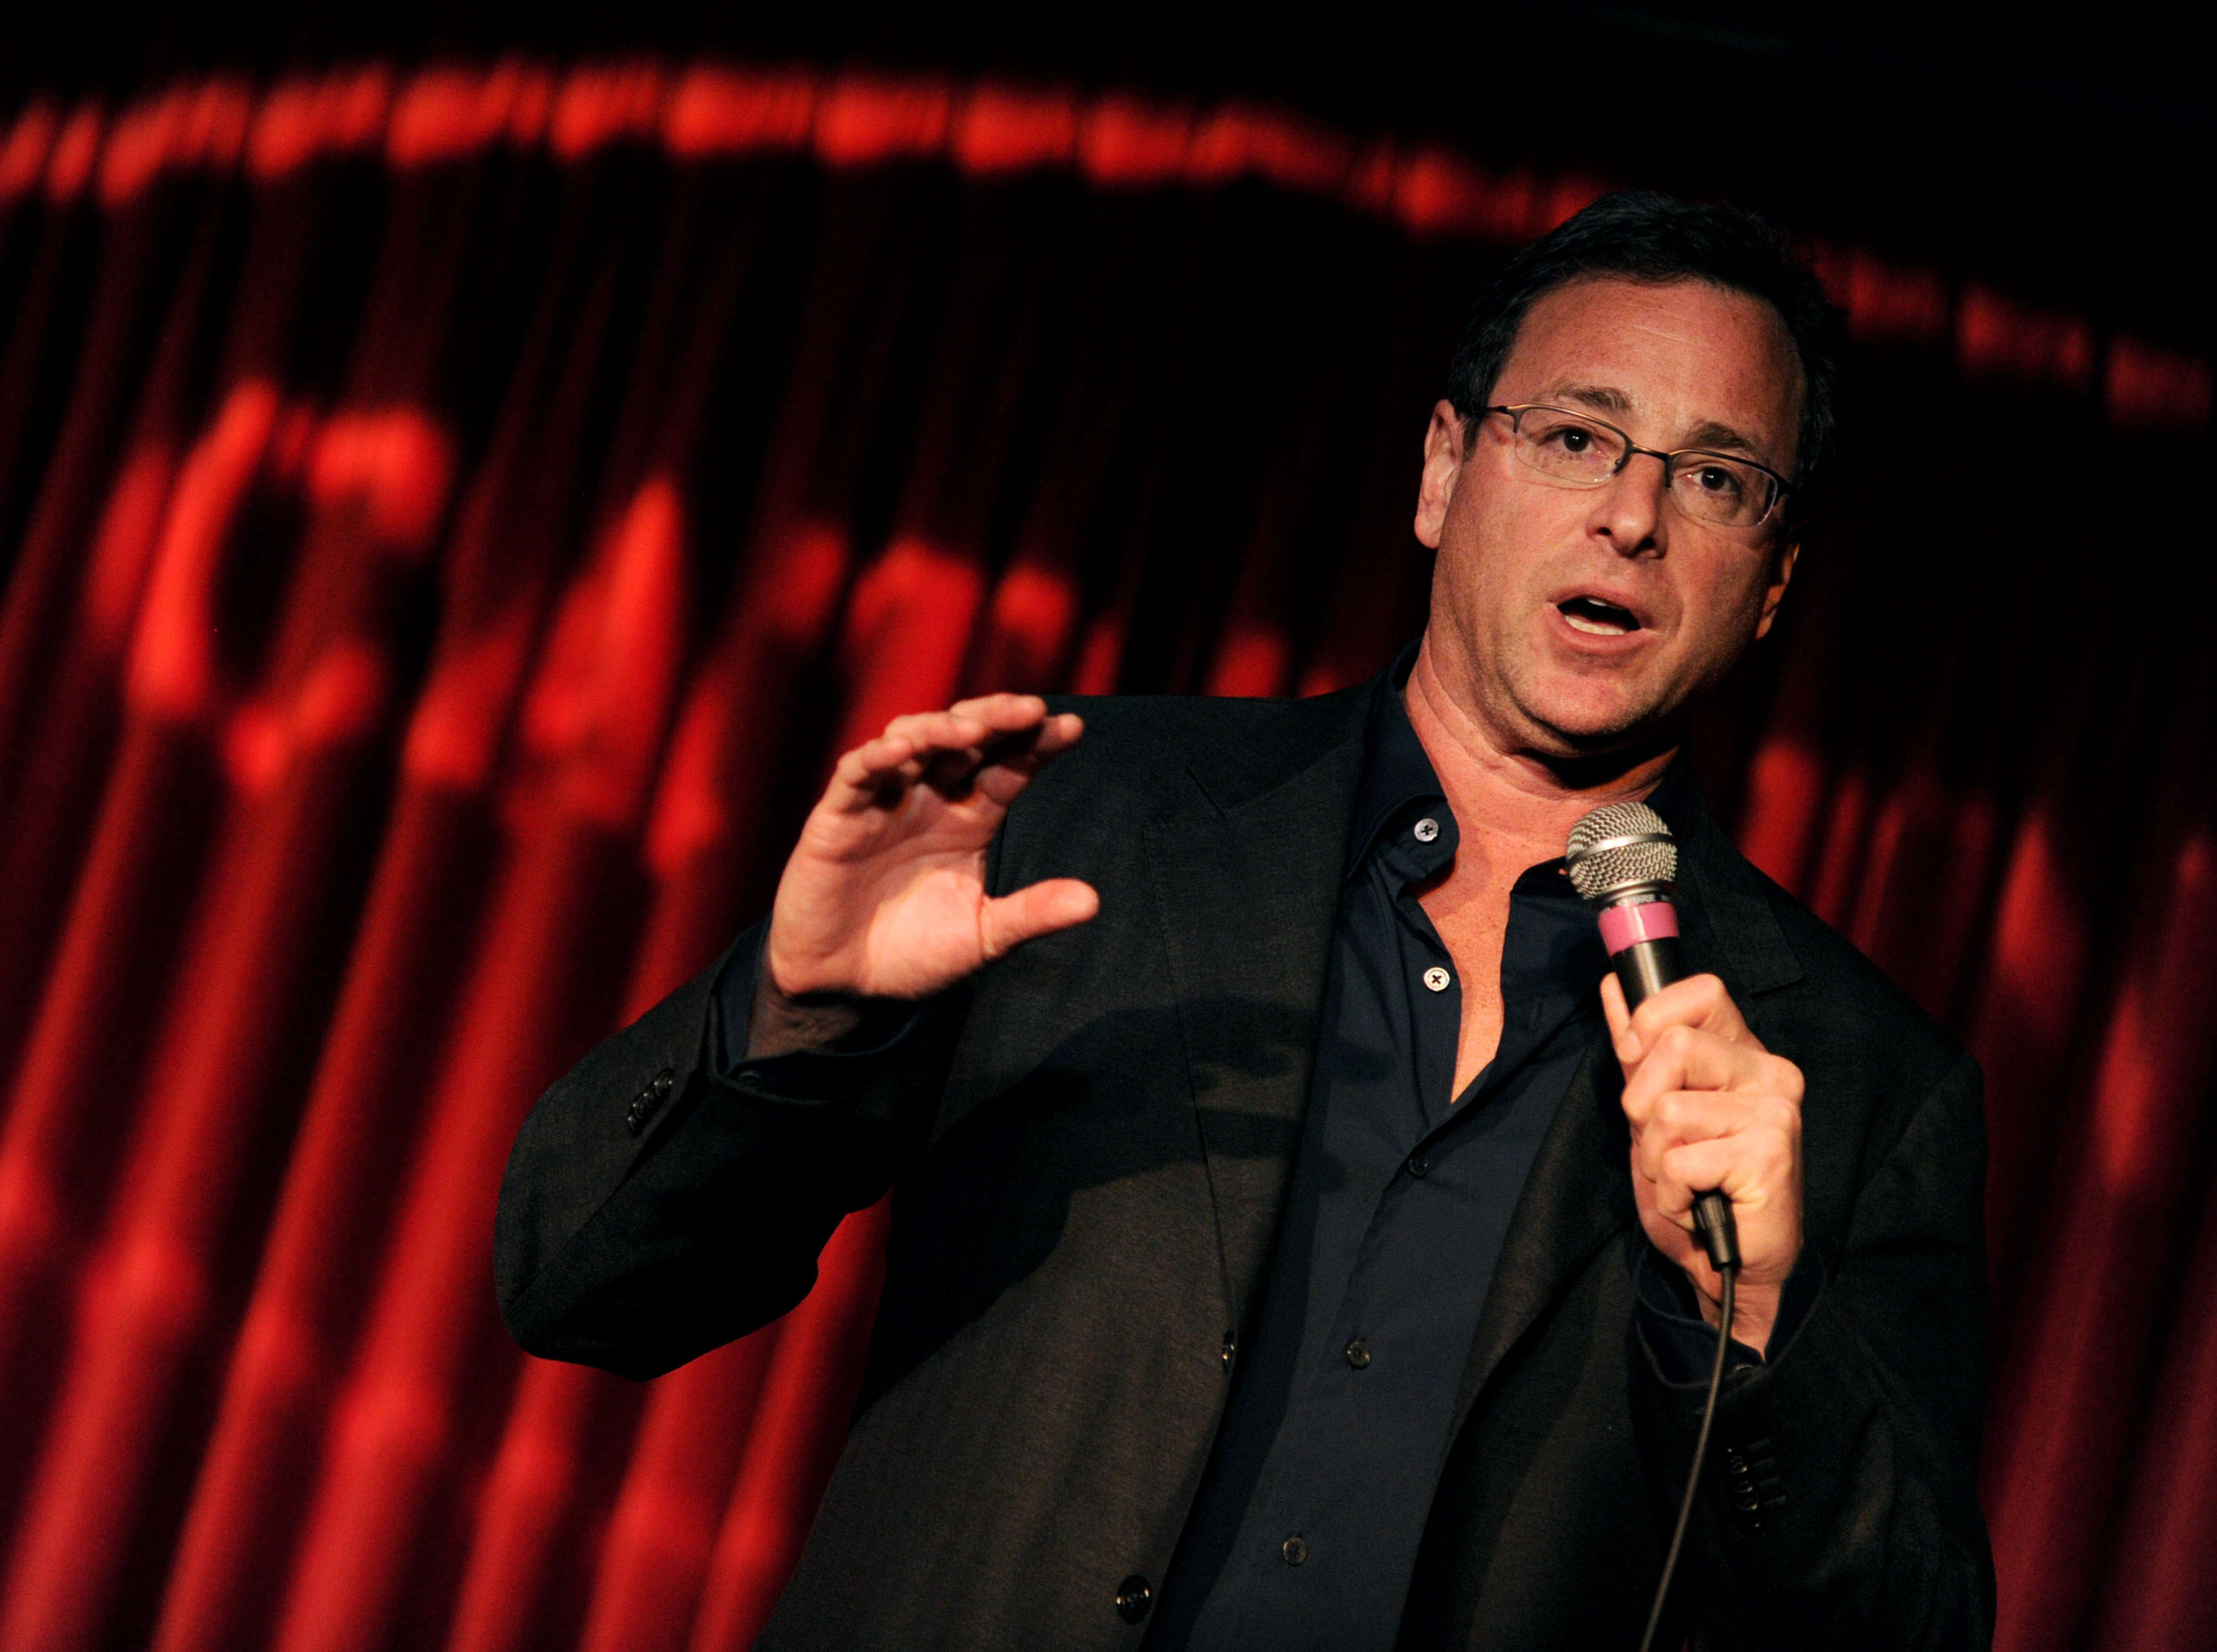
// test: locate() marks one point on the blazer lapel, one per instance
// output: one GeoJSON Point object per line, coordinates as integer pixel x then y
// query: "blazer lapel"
{"type": "Point", "coordinates": [1727, 922]}
{"type": "Point", "coordinates": [1576, 1197]}
{"type": "Point", "coordinates": [1248, 893]}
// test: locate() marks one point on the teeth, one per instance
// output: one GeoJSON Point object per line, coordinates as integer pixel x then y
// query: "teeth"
{"type": "Point", "coordinates": [1597, 618]}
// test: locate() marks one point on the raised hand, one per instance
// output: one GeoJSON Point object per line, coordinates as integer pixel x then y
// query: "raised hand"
{"type": "Point", "coordinates": [1710, 1107]}
{"type": "Point", "coordinates": [884, 896]}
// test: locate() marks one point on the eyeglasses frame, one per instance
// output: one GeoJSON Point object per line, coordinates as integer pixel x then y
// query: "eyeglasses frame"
{"type": "Point", "coordinates": [1780, 486]}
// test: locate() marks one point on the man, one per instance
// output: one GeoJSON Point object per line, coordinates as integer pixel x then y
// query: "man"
{"type": "Point", "coordinates": [1291, 1241]}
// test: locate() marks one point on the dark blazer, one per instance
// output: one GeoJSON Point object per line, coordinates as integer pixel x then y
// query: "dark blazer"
{"type": "Point", "coordinates": [1090, 1148]}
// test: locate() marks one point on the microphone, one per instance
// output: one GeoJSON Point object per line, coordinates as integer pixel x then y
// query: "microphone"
{"type": "Point", "coordinates": [1624, 862]}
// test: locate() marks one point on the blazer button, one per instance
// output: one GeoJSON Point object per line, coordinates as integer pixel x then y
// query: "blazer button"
{"type": "Point", "coordinates": [1295, 1549]}
{"type": "Point", "coordinates": [1420, 1164]}
{"type": "Point", "coordinates": [1133, 1597]}
{"type": "Point", "coordinates": [651, 1096]}
{"type": "Point", "coordinates": [1358, 1354]}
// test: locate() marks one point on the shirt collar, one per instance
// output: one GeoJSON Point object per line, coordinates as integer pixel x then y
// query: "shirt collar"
{"type": "Point", "coordinates": [1396, 773]}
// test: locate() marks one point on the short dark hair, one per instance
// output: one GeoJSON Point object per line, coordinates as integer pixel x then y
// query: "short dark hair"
{"type": "Point", "coordinates": [1642, 235]}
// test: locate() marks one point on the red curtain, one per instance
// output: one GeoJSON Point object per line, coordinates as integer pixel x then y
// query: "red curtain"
{"type": "Point", "coordinates": [451, 517]}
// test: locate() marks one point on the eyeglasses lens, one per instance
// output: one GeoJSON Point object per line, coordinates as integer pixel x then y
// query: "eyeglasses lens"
{"type": "Point", "coordinates": [1718, 490]}
{"type": "Point", "coordinates": [1565, 446]}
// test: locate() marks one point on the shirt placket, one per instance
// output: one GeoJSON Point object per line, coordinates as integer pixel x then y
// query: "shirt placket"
{"type": "Point", "coordinates": [1434, 997]}
{"type": "Point", "coordinates": [1433, 986]}
{"type": "Point", "coordinates": [1526, 1035]}
{"type": "Point", "coordinates": [1415, 851]}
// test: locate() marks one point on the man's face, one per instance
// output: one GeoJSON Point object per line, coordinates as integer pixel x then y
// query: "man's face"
{"type": "Point", "coordinates": [1572, 620]}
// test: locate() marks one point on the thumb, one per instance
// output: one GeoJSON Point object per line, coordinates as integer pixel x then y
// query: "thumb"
{"type": "Point", "coordinates": [1037, 909]}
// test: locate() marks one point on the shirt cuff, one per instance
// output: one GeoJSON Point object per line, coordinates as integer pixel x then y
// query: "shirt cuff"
{"type": "Point", "coordinates": [1684, 1343]}
{"type": "Point", "coordinates": [805, 1077]}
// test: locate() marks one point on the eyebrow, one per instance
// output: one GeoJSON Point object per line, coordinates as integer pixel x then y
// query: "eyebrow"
{"type": "Point", "coordinates": [1709, 434]}
{"type": "Point", "coordinates": [1608, 398]}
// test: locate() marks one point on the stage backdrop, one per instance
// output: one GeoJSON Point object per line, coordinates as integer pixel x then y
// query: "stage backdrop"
{"type": "Point", "coordinates": [451, 516]}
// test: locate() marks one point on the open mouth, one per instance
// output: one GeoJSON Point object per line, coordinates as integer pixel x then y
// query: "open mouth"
{"type": "Point", "coordinates": [1597, 618]}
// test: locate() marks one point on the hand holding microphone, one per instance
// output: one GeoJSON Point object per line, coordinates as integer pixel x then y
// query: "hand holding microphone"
{"type": "Point", "coordinates": [1711, 1110]}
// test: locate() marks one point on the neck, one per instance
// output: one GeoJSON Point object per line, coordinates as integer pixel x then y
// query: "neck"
{"type": "Point", "coordinates": [1515, 807]}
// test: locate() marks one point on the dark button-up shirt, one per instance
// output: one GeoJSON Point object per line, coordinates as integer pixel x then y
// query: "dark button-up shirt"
{"type": "Point", "coordinates": [1307, 1523]}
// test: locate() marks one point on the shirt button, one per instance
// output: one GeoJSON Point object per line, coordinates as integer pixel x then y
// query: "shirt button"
{"type": "Point", "coordinates": [1427, 830]}
{"type": "Point", "coordinates": [1134, 1596]}
{"type": "Point", "coordinates": [1294, 1550]}
{"type": "Point", "coordinates": [1420, 1164]}
{"type": "Point", "coordinates": [1437, 978]}
{"type": "Point", "coordinates": [1358, 1354]}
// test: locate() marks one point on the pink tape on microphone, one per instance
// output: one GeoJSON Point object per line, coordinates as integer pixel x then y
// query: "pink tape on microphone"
{"type": "Point", "coordinates": [1623, 926]}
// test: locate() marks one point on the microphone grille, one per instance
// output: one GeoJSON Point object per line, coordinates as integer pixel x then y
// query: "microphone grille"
{"type": "Point", "coordinates": [1621, 846]}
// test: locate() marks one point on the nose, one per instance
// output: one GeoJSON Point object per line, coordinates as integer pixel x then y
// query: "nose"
{"type": "Point", "coordinates": [1628, 509]}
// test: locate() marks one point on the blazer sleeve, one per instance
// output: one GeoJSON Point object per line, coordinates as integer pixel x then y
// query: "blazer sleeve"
{"type": "Point", "coordinates": [661, 1201]}
{"type": "Point", "coordinates": [1840, 1503]}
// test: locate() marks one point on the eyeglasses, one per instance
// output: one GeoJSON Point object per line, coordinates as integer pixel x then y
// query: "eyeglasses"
{"type": "Point", "coordinates": [1578, 452]}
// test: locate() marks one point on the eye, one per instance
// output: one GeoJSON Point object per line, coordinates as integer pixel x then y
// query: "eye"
{"type": "Point", "coordinates": [1572, 439]}
{"type": "Point", "coordinates": [1720, 480]}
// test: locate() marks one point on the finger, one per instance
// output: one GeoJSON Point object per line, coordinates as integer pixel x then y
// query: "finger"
{"type": "Point", "coordinates": [952, 746]}
{"type": "Point", "coordinates": [907, 743]}
{"type": "Point", "coordinates": [1029, 748]}
{"type": "Point", "coordinates": [943, 731]}
{"type": "Point", "coordinates": [1762, 1134]}
{"type": "Point", "coordinates": [1674, 1202]}
{"type": "Point", "coordinates": [1620, 1033]}
{"type": "Point", "coordinates": [1692, 1058]}
{"type": "Point", "coordinates": [955, 774]}
{"type": "Point", "coordinates": [1669, 1199]}
{"type": "Point", "coordinates": [857, 779]}
{"type": "Point", "coordinates": [1037, 909]}
{"type": "Point", "coordinates": [999, 730]}
{"type": "Point", "coordinates": [1009, 721]}
{"type": "Point", "coordinates": [1724, 1165]}
{"type": "Point", "coordinates": [1653, 1145]}
{"type": "Point", "coordinates": [1002, 714]}
{"type": "Point", "coordinates": [1699, 1001]}
{"type": "Point", "coordinates": [1766, 1129]}
{"type": "Point", "coordinates": [1058, 734]}
{"type": "Point", "coordinates": [1011, 765]}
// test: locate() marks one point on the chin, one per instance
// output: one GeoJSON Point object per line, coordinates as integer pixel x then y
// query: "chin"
{"type": "Point", "coordinates": [1569, 744]}
{"type": "Point", "coordinates": [1587, 718]}
{"type": "Point", "coordinates": [1580, 728]}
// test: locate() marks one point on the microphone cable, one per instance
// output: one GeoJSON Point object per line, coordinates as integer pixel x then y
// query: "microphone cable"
{"type": "Point", "coordinates": [1712, 1217]}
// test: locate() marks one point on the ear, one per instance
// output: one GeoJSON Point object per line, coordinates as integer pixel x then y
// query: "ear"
{"type": "Point", "coordinates": [1443, 455]}
{"type": "Point", "coordinates": [1782, 575]}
